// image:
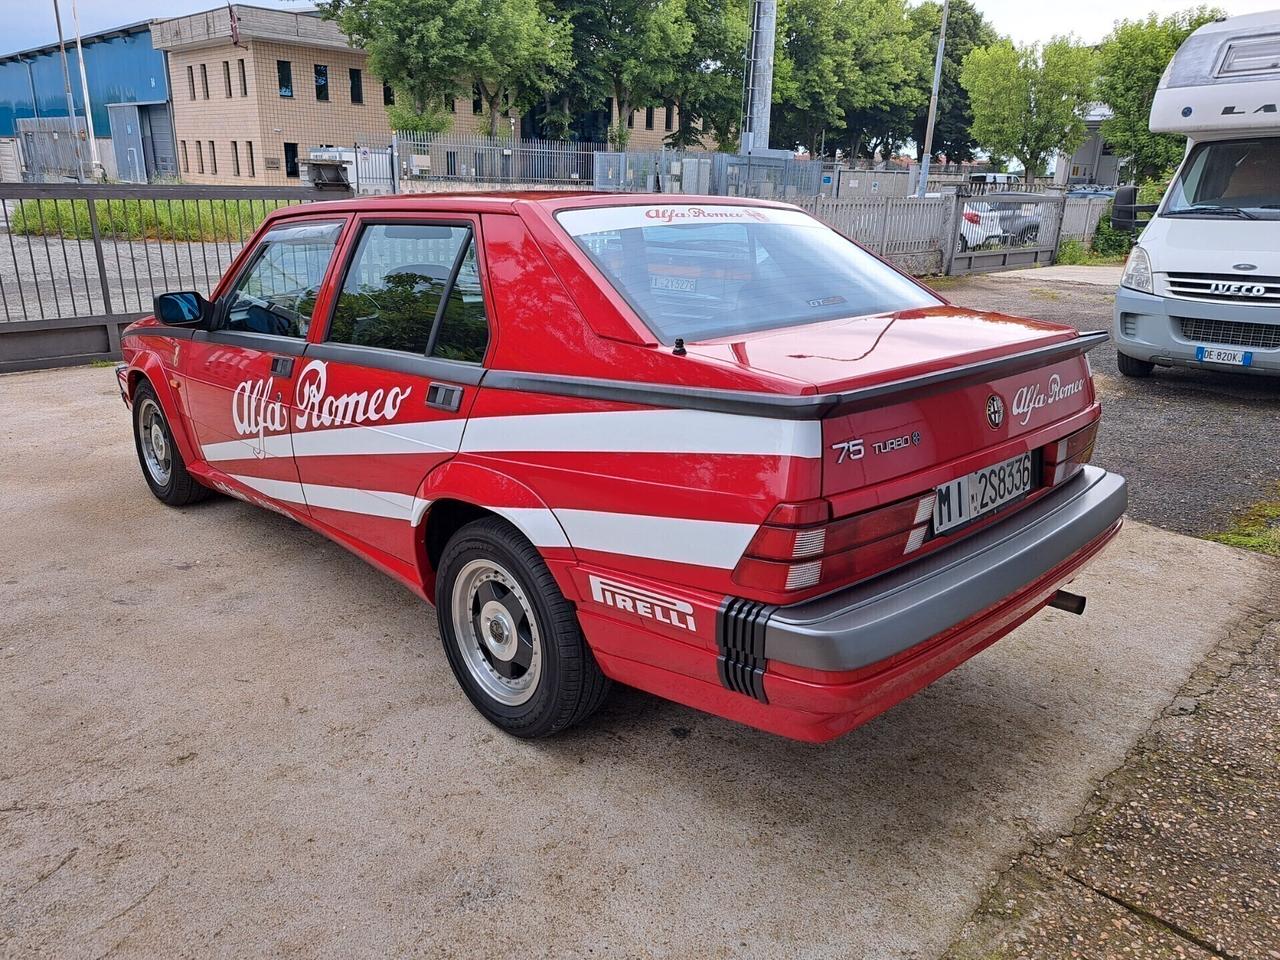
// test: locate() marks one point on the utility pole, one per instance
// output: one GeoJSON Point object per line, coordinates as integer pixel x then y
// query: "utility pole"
{"type": "Point", "coordinates": [84, 92]}
{"type": "Point", "coordinates": [71, 102]}
{"type": "Point", "coordinates": [757, 86]}
{"type": "Point", "coordinates": [923, 185]}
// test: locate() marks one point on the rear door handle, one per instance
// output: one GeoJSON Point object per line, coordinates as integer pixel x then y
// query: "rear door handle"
{"type": "Point", "coordinates": [282, 366]}
{"type": "Point", "coordinates": [444, 396]}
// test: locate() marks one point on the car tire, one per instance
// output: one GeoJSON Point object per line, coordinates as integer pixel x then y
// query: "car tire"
{"type": "Point", "coordinates": [162, 465]}
{"type": "Point", "coordinates": [512, 639]}
{"type": "Point", "coordinates": [1133, 367]}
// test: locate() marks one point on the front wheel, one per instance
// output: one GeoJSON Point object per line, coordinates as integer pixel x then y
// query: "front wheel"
{"type": "Point", "coordinates": [1133, 367]}
{"type": "Point", "coordinates": [162, 465]}
{"type": "Point", "coordinates": [512, 639]}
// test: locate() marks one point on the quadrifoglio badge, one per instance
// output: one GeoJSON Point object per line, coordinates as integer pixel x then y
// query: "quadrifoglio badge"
{"type": "Point", "coordinates": [256, 410]}
{"type": "Point", "coordinates": [1033, 396]}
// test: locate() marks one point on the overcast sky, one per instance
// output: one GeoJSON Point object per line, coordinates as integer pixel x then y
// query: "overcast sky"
{"type": "Point", "coordinates": [29, 23]}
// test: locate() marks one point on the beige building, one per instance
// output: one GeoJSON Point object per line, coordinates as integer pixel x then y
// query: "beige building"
{"type": "Point", "coordinates": [254, 91]}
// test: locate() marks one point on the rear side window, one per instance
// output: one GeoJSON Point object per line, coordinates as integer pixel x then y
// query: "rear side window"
{"type": "Point", "coordinates": [414, 288]}
{"type": "Point", "coordinates": [714, 271]}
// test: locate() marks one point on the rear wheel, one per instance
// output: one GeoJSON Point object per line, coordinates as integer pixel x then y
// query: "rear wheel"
{"type": "Point", "coordinates": [512, 639]}
{"type": "Point", "coordinates": [1133, 367]}
{"type": "Point", "coordinates": [162, 465]}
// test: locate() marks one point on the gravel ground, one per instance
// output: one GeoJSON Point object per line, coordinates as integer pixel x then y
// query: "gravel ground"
{"type": "Point", "coordinates": [1196, 446]}
{"type": "Point", "coordinates": [226, 737]}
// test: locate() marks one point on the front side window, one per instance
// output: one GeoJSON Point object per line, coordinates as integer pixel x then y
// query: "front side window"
{"type": "Point", "coordinates": [1228, 179]}
{"type": "Point", "coordinates": [414, 288]}
{"type": "Point", "coordinates": [277, 293]}
{"type": "Point", "coordinates": [707, 272]}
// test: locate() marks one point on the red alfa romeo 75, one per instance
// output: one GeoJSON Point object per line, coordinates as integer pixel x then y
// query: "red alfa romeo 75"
{"type": "Point", "coordinates": [708, 448]}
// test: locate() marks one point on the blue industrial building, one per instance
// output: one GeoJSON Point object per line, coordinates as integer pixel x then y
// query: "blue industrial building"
{"type": "Point", "coordinates": [128, 89]}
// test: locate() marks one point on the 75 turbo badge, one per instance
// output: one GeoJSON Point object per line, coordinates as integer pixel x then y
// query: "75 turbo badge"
{"type": "Point", "coordinates": [856, 448]}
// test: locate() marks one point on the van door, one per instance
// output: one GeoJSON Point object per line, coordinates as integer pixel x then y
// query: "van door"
{"type": "Point", "coordinates": [383, 397]}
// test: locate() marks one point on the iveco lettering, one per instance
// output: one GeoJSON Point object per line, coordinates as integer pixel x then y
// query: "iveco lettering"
{"type": "Point", "coordinates": [708, 448]}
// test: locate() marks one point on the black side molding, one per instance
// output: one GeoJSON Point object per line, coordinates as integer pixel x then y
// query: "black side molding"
{"type": "Point", "coordinates": [740, 638]}
{"type": "Point", "coordinates": [790, 406]}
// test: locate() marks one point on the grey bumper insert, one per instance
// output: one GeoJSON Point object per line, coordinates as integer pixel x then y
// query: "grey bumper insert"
{"type": "Point", "coordinates": [871, 621]}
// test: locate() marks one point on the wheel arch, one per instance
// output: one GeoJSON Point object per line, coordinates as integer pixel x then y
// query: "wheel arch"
{"type": "Point", "coordinates": [146, 366]}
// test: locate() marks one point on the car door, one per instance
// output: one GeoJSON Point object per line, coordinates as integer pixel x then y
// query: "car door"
{"type": "Point", "coordinates": [383, 395]}
{"type": "Point", "coordinates": [240, 376]}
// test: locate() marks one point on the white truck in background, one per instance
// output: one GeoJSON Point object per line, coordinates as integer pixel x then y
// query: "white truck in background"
{"type": "Point", "coordinates": [1201, 287]}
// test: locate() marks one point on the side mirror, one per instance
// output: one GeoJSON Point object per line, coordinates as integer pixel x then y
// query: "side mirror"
{"type": "Point", "coordinates": [1124, 209]}
{"type": "Point", "coordinates": [187, 309]}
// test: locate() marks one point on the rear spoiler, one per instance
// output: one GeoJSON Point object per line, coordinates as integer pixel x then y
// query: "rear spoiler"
{"type": "Point", "coordinates": [790, 407]}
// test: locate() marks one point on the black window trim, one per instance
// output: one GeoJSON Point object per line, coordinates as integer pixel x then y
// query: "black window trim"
{"type": "Point", "coordinates": [473, 237]}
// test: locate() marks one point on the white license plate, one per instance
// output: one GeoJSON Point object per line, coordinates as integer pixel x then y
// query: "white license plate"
{"type": "Point", "coordinates": [1239, 358]}
{"type": "Point", "coordinates": [969, 497]}
{"type": "Point", "coordinates": [682, 284]}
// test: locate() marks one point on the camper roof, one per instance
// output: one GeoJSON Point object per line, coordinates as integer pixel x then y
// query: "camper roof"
{"type": "Point", "coordinates": [1223, 80]}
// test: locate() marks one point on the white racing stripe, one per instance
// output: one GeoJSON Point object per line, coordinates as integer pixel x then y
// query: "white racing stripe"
{"type": "Point", "coordinates": [370, 503]}
{"type": "Point", "coordinates": [645, 431]}
{"type": "Point", "coordinates": [428, 436]}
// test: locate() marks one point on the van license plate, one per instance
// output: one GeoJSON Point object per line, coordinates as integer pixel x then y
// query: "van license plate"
{"type": "Point", "coordinates": [1238, 358]}
{"type": "Point", "coordinates": [967, 498]}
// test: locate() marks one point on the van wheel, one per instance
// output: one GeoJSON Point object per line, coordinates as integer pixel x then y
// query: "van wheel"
{"type": "Point", "coordinates": [1132, 366]}
{"type": "Point", "coordinates": [512, 639]}
{"type": "Point", "coordinates": [162, 464]}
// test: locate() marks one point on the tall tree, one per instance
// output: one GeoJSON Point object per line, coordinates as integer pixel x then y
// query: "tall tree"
{"type": "Point", "coordinates": [966, 29]}
{"type": "Point", "coordinates": [432, 51]}
{"type": "Point", "coordinates": [707, 88]}
{"type": "Point", "coordinates": [1029, 102]}
{"type": "Point", "coordinates": [885, 79]}
{"type": "Point", "coordinates": [1131, 61]}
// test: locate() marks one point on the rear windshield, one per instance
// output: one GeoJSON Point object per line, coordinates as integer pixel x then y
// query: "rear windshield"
{"type": "Point", "coordinates": [707, 272]}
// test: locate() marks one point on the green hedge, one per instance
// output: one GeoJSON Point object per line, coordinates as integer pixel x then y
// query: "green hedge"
{"type": "Point", "coordinates": [219, 220]}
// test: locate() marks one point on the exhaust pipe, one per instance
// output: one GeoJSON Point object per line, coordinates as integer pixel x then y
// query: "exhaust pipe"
{"type": "Point", "coordinates": [1070, 602]}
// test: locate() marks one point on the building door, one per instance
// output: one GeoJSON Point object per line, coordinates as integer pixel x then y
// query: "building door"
{"type": "Point", "coordinates": [162, 153]}
{"type": "Point", "coordinates": [126, 142]}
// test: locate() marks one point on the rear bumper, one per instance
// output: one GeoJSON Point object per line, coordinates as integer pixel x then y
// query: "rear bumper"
{"type": "Point", "coordinates": [873, 622]}
{"type": "Point", "coordinates": [1149, 327]}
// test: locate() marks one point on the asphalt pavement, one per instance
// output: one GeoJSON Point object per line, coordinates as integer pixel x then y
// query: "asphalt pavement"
{"type": "Point", "coordinates": [227, 737]}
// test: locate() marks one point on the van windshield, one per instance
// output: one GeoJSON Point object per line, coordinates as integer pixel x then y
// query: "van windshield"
{"type": "Point", "coordinates": [1235, 179]}
{"type": "Point", "coordinates": [713, 271]}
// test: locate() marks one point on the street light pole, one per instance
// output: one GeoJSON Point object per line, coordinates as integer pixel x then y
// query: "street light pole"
{"type": "Point", "coordinates": [71, 102]}
{"type": "Point", "coordinates": [923, 185]}
{"type": "Point", "coordinates": [84, 92]}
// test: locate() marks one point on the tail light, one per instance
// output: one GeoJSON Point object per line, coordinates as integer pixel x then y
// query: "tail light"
{"type": "Point", "coordinates": [1064, 458]}
{"type": "Point", "coordinates": [800, 547]}
{"type": "Point", "coordinates": [972, 217]}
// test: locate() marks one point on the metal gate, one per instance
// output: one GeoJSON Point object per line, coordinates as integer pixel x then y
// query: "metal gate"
{"type": "Point", "coordinates": [1001, 231]}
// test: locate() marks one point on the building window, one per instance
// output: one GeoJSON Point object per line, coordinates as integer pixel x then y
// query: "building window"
{"type": "Point", "coordinates": [199, 157]}
{"type": "Point", "coordinates": [290, 159]}
{"type": "Point", "coordinates": [451, 163]}
{"type": "Point", "coordinates": [186, 162]}
{"type": "Point", "coordinates": [244, 80]}
{"type": "Point", "coordinates": [477, 101]}
{"type": "Point", "coordinates": [631, 120]}
{"type": "Point", "coordinates": [648, 118]}
{"type": "Point", "coordinates": [248, 149]}
{"type": "Point", "coordinates": [450, 104]}
{"type": "Point", "coordinates": [670, 117]}
{"type": "Point", "coordinates": [235, 158]}
{"type": "Point", "coordinates": [213, 159]}
{"type": "Point", "coordinates": [388, 96]}
{"type": "Point", "coordinates": [191, 80]}
{"type": "Point", "coordinates": [322, 81]}
{"type": "Point", "coordinates": [284, 73]}
{"type": "Point", "coordinates": [357, 85]}
{"type": "Point", "coordinates": [226, 76]}
{"type": "Point", "coordinates": [204, 81]}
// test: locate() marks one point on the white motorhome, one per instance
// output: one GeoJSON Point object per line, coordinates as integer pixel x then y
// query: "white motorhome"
{"type": "Point", "coordinates": [1202, 285]}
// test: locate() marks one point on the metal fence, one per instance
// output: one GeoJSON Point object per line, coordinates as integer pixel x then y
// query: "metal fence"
{"type": "Point", "coordinates": [1081, 215]}
{"type": "Point", "coordinates": [78, 262]}
{"type": "Point", "coordinates": [715, 174]}
{"type": "Point", "coordinates": [455, 158]}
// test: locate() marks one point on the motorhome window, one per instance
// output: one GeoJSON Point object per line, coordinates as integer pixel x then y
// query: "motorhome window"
{"type": "Point", "coordinates": [1231, 179]}
{"type": "Point", "coordinates": [706, 272]}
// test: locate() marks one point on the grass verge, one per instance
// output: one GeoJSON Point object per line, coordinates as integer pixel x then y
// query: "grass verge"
{"type": "Point", "coordinates": [188, 220]}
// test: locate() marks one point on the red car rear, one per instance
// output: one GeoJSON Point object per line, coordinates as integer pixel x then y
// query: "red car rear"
{"type": "Point", "coordinates": [713, 450]}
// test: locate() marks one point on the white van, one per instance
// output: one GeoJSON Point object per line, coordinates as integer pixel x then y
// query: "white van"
{"type": "Point", "coordinates": [1202, 285]}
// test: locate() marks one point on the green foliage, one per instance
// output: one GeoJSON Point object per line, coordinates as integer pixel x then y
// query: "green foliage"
{"type": "Point", "coordinates": [1131, 61]}
{"type": "Point", "coordinates": [1257, 528]}
{"type": "Point", "coordinates": [403, 116]}
{"type": "Point", "coordinates": [708, 82]}
{"type": "Point", "coordinates": [1108, 242]}
{"type": "Point", "coordinates": [231, 220]}
{"type": "Point", "coordinates": [432, 51]}
{"type": "Point", "coordinates": [967, 30]}
{"type": "Point", "coordinates": [1029, 102]}
{"type": "Point", "coordinates": [1072, 253]}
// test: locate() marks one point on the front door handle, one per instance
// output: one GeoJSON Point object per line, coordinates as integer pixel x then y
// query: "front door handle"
{"type": "Point", "coordinates": [282, 366]}
{"type": "Point", "coordinates": [444, 396]}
